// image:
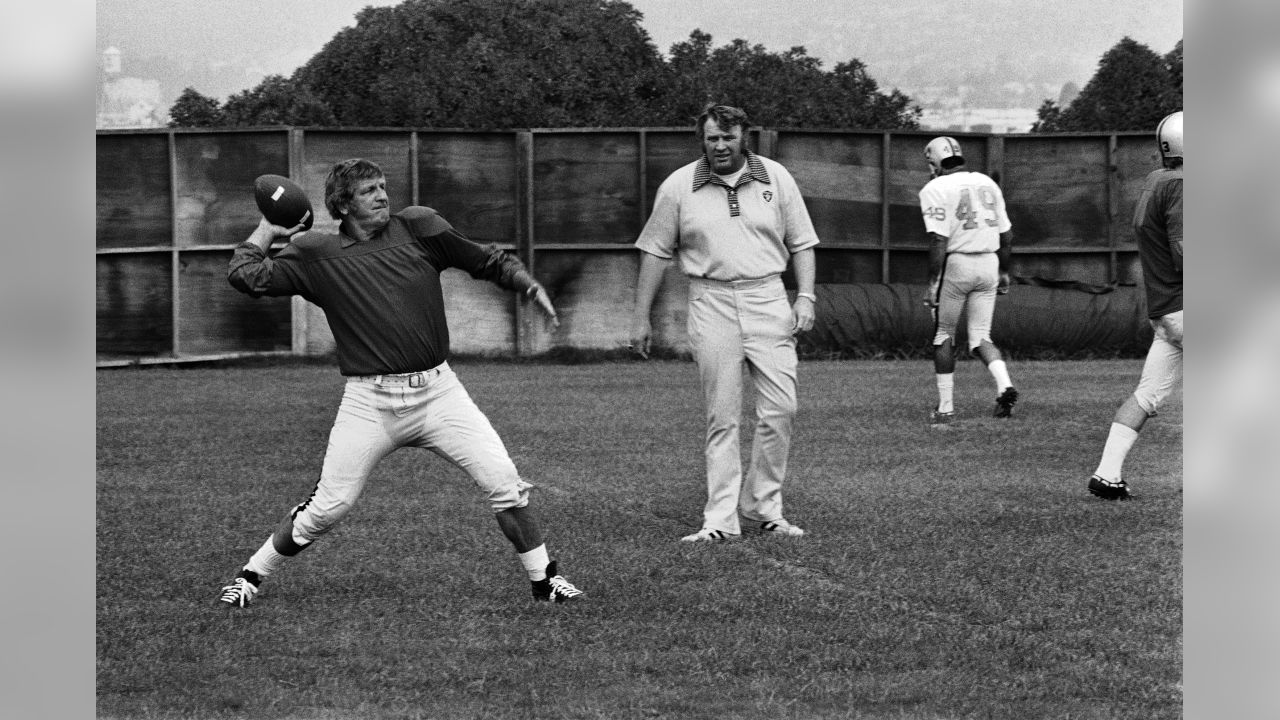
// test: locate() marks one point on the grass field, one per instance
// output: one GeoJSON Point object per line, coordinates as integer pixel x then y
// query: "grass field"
{"type": "Point", "coordinates": [963, 573]}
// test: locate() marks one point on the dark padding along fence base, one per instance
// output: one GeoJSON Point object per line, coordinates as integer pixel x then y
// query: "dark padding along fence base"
{"type": "Point", "coordinates": [1038, 319]}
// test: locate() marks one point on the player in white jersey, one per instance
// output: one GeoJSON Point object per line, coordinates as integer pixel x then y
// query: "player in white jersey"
{"type": "Point", "coordinates": [970, 242]}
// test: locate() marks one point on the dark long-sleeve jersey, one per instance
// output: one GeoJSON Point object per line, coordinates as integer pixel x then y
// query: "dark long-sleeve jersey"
{"type": "Point", "coordinates": [382, 297]}
{"type": "Point", "coordinates": [1157, 225]}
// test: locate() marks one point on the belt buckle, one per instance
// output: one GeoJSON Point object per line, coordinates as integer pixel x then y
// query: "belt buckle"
{"type": "Point", "coordinates": [417, 380]}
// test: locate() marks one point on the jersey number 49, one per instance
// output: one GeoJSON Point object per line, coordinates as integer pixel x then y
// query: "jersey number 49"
{"type": "Point", "coordinates": [965, 210]}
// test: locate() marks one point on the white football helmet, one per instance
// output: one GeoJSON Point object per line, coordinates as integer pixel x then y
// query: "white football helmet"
{"type": "Point", "coordinates": [940, 149]}
{"type": "Point", "coordinates": [1169, 136]}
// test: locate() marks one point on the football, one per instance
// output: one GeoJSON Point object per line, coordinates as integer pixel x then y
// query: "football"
{"type": "Point", "coordinates": [282, 202]}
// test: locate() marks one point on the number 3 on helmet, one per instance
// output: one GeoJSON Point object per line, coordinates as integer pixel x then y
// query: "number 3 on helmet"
{"type": "Point", "coordinates": [1169, 136]}
{"type": "Point", "coordinates": [940, 149]}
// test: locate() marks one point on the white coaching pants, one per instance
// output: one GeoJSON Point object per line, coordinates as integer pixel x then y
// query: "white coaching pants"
{"type": "Point", "coordinates": [379, 414]}
{"type": "Point", "coordinates": [733, 325]}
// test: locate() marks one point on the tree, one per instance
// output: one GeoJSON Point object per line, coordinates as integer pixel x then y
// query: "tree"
{"type": "Point", "coordinates": [857, 102]}
{"type": "Point", "coordinates": [1132, 89]}
{"type": "Point", "coordinates": [481, 64]}
{"type": "Point", "coordinates": [548, 63]}
{"type": "Point", "coordinates": [1049, 117]}
{"type": "Point", "coordinates": [788, 89]}
{"type": "Point", "coordinates": [195, 110]}
{"type": "Point", "coordinates": [1173, 66]}
{"type": "Point", "coordinates": [277, 101]}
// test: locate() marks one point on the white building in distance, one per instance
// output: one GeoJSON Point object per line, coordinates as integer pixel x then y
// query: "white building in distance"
{"type": "Point", "coordinates": [126, 102]}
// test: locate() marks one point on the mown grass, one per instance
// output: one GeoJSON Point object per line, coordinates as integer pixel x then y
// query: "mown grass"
{"type": "Point", "coordinates": [946, 574]}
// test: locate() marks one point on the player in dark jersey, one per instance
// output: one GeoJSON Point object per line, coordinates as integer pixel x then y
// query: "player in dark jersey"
{"type": "Point", "coordinates": [1157, 224]}
{"type": "Point", "coordinates": [378, 282]}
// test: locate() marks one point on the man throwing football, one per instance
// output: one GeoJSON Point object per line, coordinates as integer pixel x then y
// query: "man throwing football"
{"type": "Point", "coordinates": [969, 248]}
{"type": "Point", "coordinates": [378, 281]}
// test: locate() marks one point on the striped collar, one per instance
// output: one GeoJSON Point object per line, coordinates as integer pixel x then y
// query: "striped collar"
{"type": "Point", "coordinates": [755, 170]}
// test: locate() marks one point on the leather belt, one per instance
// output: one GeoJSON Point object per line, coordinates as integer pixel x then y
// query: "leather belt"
{"type": "Point", "coordinates": [412, 379]}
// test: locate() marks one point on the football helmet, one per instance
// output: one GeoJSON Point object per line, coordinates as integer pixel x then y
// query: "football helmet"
{"type": "Point", "coordinates": [1169, 136]}
{"type": "Point", "coordinates": [940, 149]}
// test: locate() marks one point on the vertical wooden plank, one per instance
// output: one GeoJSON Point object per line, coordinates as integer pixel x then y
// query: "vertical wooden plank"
{"type": "Point", "coordinates": [525, 239]}
{"type": "Point", "coordinates": [995, 163]}
{"type": "Point", "coordinates": [175, 263]}
{"type": "Point", "coordinates": [767, 142]}
{"type": "Point", "coordinates": [414, 181]}
{"type": "Point", "coordinates": [642, 161]}
{"type": "Point", "coordinates": [995, 158]}
{"type": "Point", "coordinates": [298, 315]}
{"type": "Point", "coordinates": [885, 166]}
{"type": "Point", "coordinates": [1113, 260]}
{"type": "Point", "coordinates": [297, 161]}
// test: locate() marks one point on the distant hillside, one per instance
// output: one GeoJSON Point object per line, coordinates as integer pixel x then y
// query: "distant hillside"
{"type": "Point", "coordinates": [920, 44]}
{"type": "Point", "coordinates": [1005, 53]}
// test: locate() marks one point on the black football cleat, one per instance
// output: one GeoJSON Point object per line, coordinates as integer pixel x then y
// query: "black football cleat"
{"type": "Point", "coordinates": [555, 588]}
{"type": "Point", "coordinates": [1004, 403]}
{"type": "Point", "coordinates": [1109, 489]}
{"type": "Point", "coordinates": [242, 590]}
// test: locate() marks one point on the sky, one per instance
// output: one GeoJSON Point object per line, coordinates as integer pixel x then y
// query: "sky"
{"type": "Point", "coordinates": [893, 38]}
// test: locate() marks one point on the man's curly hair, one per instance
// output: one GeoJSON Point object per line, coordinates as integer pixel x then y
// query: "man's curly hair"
{"type": "Point", "coordinates": [341, 182]}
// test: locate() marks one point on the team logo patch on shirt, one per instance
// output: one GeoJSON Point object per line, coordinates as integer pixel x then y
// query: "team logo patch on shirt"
{"type": "Point", "coordinates": [767, 195]}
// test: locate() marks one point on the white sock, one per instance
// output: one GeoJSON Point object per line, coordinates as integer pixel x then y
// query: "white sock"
{"type": "Point", "coordinates": [946, 387]}
{"type": "Point", "coordinates": [535, 562]}
{"type": "Point", "coordinates": [1000, 372]}
{"type": "Point", "coordinates": [1119, 441]}
{"type": "Point", "coordinates": [266, 560]}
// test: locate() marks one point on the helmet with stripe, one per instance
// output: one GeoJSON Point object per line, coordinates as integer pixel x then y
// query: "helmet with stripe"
{"type": "Point", "coordinates": [1169, 136]}
{"type": "Point", "coordinates": [942, 149]}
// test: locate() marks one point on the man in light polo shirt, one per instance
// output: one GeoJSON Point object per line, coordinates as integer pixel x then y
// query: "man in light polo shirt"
{"type": "Point", "coordinates": [735, 219]}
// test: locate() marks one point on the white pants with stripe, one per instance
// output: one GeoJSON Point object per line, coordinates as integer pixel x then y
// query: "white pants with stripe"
{"type": "Point", "coordinates": [968, 284]}
{"type": "Point", "coordinates": [735, 326]}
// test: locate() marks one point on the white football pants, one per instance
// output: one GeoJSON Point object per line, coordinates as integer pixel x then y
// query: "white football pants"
{"type": "Point", "coordinates": [1163, 366]}
{"type": "Point", "coordinates": [968, 280]}
{"type": "Point", "coordinates": [379, 414]}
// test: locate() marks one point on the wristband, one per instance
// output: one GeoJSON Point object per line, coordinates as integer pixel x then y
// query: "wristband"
{"type": "Point", "coordinates": [812, 298]}
{"type": "Point", "coordinates": [532, 291]}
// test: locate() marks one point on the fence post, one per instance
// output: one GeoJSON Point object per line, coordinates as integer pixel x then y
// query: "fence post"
{"type": "Point", "coordinates": [1113, 259]}
{"type": "Point", "coordinates": [886, 140]}
{"type": "Point", "coordinates": [175, 260]}
{"type": "Point", "coordinates": [524, 340]}
{"type": "Point", "coordinates": [298, 315]}
{"type": "Point", "coordinates": [768, 142]}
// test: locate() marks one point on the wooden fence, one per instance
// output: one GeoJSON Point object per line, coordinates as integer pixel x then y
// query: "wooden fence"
{"type": "Point", "coordinates": [172, 204]}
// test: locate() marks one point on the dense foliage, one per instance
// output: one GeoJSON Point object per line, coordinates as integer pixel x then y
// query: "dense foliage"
{"type": "Point", "coordinates": [787, 89]}
{"type": "Point", "coordinates": [543, 63]}
{"type": "Point", "coordinates": [1132, 89]}
{"type": "Point", "coordinates": [195, 110]}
